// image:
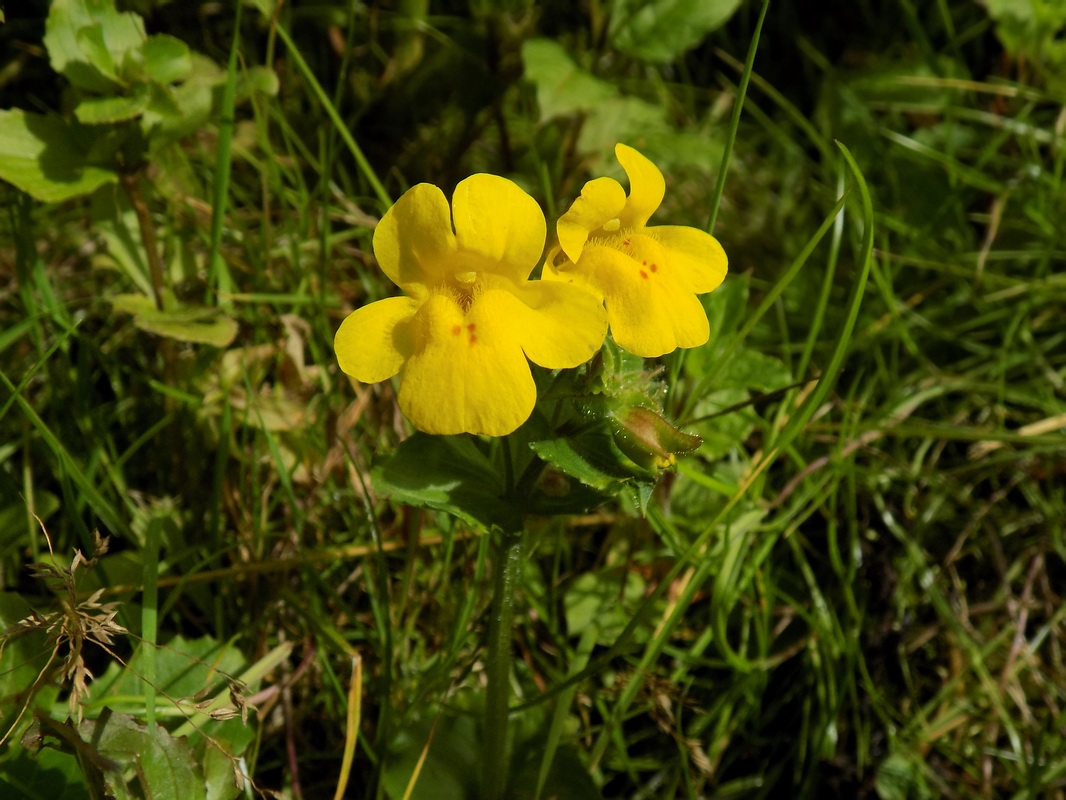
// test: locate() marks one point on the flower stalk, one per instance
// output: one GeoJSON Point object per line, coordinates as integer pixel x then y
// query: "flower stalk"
{"type": "Point", "coordinates": [498, 696]}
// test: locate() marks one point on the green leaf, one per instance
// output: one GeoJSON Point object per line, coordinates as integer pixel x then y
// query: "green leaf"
{"type": "Point", "coordinates": [48, 158]}
{"type": "Point", "coordinates": [447, 473]}
{"type": "Point", "coordinates": [91, 43]}
{"type": "Point", "coordinates": [107, 110]}
{"type": "Point", "coordinates": [185, 667]}
{"type": "Point", "coordinates": [122, 758]}
{"type": "Point", "coordinates": [562, 86]}
{"type": "Point", "coordinates": [621, 119]}
{"type": "Point", "coordinates": [661, 30]}
{"type": "Point", "coordinates": [193, 324]}
{"type": "Point", "coordinates": [451, 767]}
{"type": "Point", "coordinates": [88, 40]}
{"type": "Point", "coordinates": [161, 766]}
{"type": "Point", "coordinates": [593, 458]}
{"type": "Point", "coordinates": [596, 600]}
{"type": "Point", "coordinates": [750, 369]}
{"type": "Point", "coordinates": [48, 773]}
{"type": "Point", "coordinates": [25, 656]}
{"type": "Point", "coordinates": [258, 81]}
{"type": "Point", "coordinates": [901, 778]}
{"type": "Point", "coordinates": [165, 59]}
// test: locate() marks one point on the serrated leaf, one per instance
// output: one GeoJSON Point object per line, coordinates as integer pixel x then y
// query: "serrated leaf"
{"type": "Point", "coordinates": [661, 30]}
{"type": "Point", "coordinates": [562, 86]}
{"type": "Point", "coordinates": [447, 473]}
{"type": "Point", "coordinates": [47, 157]}
{"type": "Point", "coordinates": [593, 458]}
{"type": "Point", "coordinates": [159, 765]}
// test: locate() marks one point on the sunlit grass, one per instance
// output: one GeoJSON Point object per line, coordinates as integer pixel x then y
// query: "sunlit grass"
{"type": "Point", "coordinates": [853, 590]}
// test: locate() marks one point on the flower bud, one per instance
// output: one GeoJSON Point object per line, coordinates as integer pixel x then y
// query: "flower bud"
{"type": "Point", "coordinates": [650, 440]}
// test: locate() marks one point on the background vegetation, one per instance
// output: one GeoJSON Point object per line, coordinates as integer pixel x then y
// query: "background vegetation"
{"type": "Point", "coordinates": [877, 608]}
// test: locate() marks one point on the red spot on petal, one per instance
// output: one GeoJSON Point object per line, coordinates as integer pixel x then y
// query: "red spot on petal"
{"type": "Point", "coordinates": [654, 267]}
{"type": "Point", "coordinates": [471, 327]}
{"type": "Point", "coordinates": [644, 274]}
{"type": "Point", "coordinates": [473, 338]}
{"type": "Point", "coordinates": [456, 330]}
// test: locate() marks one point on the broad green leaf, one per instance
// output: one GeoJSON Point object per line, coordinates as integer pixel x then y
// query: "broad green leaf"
{"type": "Point", "coordinates": [88, 41]}
{"type": "Point", "coordinates": [25, 656]}
{"type": "Point", "coordinates": [122, 758]}
{"type": "Point", "coordinates": [115, 222]}
{"type": "Point", "coordinates": [258, 80]}
{"type": "Point", "coordinates": [597, 599]}
{"type": "Point", "coordinates": [562, 86]}
{"type": "Point", "coordinates": [184, 667]}
{"type": "Point", "coordinates": [94, 48]}
{"type": "Point", "coordinates": [107, 110]}
{"type": "Point", "coordinates": [219, 777]}
{"type": "Point", "coordinates": [621, 119]}
{"type": "Point", "coordinates": [900, 777]}
{"type": "Point", "coordinates": [750, 369]}
{"type": "Point", "coordinates": [593, 458]}
{"type": "Point", "coordinates": [446, 752]}
{"type": "Point", "coordinates": [194, 324]}
{"type": "Point", "coordinates": [451, 768]}
{"type": "Point", "coordinates": [165, 59]}
{"type": "Point", "coordinates": [151, 763]}
{"type": "Point", "coordinates": [722, 432]}
{"type": "Point", "coordinates": [661, 30]}
{"type": "Point", "coordinates": [447, 473]}
{"type": "Point", "coordinates": [48, 773]}
{"type": "Point", "coordinates": [47, 157]}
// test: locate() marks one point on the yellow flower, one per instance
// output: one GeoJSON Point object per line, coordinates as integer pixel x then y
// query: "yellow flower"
{"type": "Point", "coordinates": [648, 277]}
{"type": "Point", "coordinates": [469, 317]}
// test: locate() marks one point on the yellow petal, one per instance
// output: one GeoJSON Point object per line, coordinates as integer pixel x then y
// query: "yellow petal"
{"type": "Point", "coordinates": [601, 201]}
{"type": "Point", "coordinates": [468, 373]}
{"type": "Point", "coordinates": [413, 242]}
{"type": "Point", "coordinates": [646, 186]}
{"type": "Point", "coordinates": [650, 312]}
{"type": "Point", "coordinates": [559, 325]}
{"type": "Point", "coordinates": [498, 227]}
{"type": "Point", "coordinates": [373, 341]}
{"type": "Point", "coordinates": [696, 256]}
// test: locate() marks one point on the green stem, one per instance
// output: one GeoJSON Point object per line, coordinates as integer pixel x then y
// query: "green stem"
{"type": "Point", "coordinates": [497, 701]}
{"type": "Point", "coordinates": [149, 619]}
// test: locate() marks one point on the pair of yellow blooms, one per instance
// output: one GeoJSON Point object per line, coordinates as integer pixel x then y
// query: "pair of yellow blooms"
{"type": "Point", "coordinates": [470, 317]}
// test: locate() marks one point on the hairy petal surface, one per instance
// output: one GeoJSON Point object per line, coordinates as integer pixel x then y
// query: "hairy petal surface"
{"type": "Point", "coordinates": [601, 201]}
{"type": "Point", "coordinates": [374, 341]}
{"type": "Point", "coordinates": [647, 187]}
{"type": "Point", "coordinates": [468, 373]}
{"type": "Point", "coordinates": [414, 243]}
{"type": "Point", "coordinates": [498, 227]}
